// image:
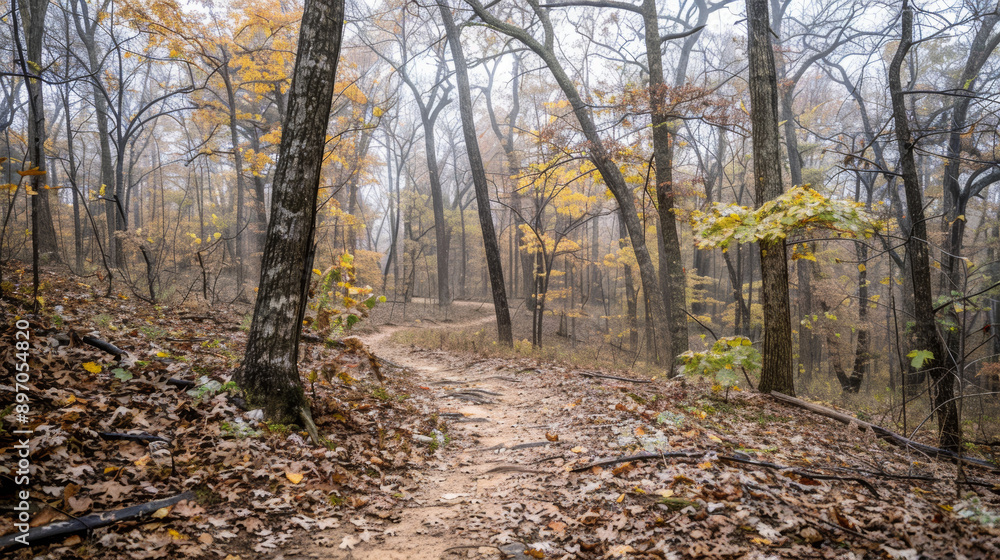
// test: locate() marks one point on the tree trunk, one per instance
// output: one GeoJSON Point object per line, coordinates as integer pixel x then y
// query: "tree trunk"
{"type": "Point", "coordinates": [43, 234]}
{"type": "Point", "coordinates": [776, 374]}
{"type": "Point", "coordinates": [925, 336]}
{"type": "Point", "coordinates": [269, 374]}
{"type": "Point", "coordinates": [234, 138]}
{"type": "Point", "coordinates": [672, 280]}
{"type": "Point", "coordinates": [493, 261]}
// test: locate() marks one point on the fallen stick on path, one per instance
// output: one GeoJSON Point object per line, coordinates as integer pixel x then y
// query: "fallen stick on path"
{"type": "Point", "coordinates": [60, 529]}
{"type": "Point", "coordinates": [891, 437]}
{"type": "Point", "coordinates": [616, 378]}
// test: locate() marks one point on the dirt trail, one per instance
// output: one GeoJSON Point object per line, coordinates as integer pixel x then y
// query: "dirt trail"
{"type": "Point", "coordinates": [478, 471]}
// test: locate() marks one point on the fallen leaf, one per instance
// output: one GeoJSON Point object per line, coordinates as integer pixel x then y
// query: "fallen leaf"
{"type": "Point", "coordinates": [557, 526]}
{"type": "Point", "coordinates": [623, 468]}
{"type": "Point", "coordinates": [161, 513]}
{"type": "Point", "coordinates": [810, 535]}
{"type": "Point", "coordinates": [356, 501]}
{"type": "Point", "coordinates": [534, 553]}
{"type": "Point", "coordinates": [294, 477]}
{"type": "Point", "coordinates": [551, 437]}
{"type": "Point", "coordinates": [577, 449]}
{"type": "Point", "coordinates": [92, 367]}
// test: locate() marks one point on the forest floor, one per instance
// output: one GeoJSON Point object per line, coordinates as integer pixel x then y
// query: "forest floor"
{"type": "Point", "coordinates": [453, 456]}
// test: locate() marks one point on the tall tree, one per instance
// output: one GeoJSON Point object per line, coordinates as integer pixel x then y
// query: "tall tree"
{"type": "Point", "coordinates": [924, 335]}
{"type": "Point", "coordinates": [269, 374]}
{"type": "Point", "coordinates": [504, 333]}
{"type": "Point", "coordinates": [776, 373]}
{"type": "Point", "coordinates": [43, 234]}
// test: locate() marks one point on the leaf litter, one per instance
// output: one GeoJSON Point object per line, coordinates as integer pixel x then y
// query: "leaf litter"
{"type": "Point", "coordinates": [404, 477]}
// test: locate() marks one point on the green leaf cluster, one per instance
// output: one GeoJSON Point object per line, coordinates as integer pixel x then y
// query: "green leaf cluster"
{"type": "Point", "coordinates": [721, 361]}
{"type": "Point", "coordinates": [798, 210]}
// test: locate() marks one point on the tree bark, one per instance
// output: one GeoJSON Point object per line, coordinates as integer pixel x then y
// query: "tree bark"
{"type": "Point", "coordinates": [672, 279]}
{"type": "Point", "coordinates": [924, 334]}
{"type": "Point", "coordinates": [776, 374]}
{"type": "Point", "coordinates": [269, 374]}
{"type": "Point", "coordinates": [493, 262]}
{"type": "Point", "coordinates": [42, 230]}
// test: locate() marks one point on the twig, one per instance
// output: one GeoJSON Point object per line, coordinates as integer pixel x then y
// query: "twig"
{"type": "Point", "coordinates": [131, 437]}
{"type": "Point", "coordinates": [614, 377]}
{"type": "Point", "coordinates": [645, 456]}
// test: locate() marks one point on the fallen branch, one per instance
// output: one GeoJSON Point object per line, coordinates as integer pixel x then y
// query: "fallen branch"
{"type": "Point", "coordinates": [644, 456]}
{"type": "Point", "coordinates": [891, 437]}
{"type": "Point", "coordinates": [616, 378]}
{"type": "Point", "coordinates": [804, 474]}
{"type": "Point", "coordinates": [652, 455]}
{"type": "Point", "coordinates": [131, 437]}
{"type": "Point", "coordinates": [105, 346]}
{"type": "Point", "coordinates": [182, 383]}
{"type": "Point", "coordinates": [502, 447]}
{"type": "Point", "coordinates": [61, 529]}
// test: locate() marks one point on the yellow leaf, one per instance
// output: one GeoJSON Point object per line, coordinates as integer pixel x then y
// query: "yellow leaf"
{"type": "Point", "coordinates": [111, 469]}
{"type": "Point", "coordinates": [217, 235]}
{"type": "Point", "coordinates": [92, 367]}
{"type": "Point", "coordinates": [716, 439]}
{"type": "Point", "coordinates": [577, 449]}
{"type": "Point", "coordinates": [294, 477]}
{"type": "Point", "coordinates": [705, 466]}
{"type": "Point", "coordinates": [162, 354]}
{"type": "Point", "coordinates": [378, 112]}
{"type": "Point", "coordinates": [861, 267]}
{"type": "Point", "coordinates": [161, 513]}
{"type": "Point", "coordinates": [142, 461]}
{"type": "Point", "coordinates": [176, 535]}
{"type": "Point", "coordinates": [620, 499]}
{"type": "Point", "coordinates": [30, 172]}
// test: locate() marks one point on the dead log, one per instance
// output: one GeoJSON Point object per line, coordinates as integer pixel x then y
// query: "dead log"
{"type": "Point", "coordinates": [891, 437]}
{"type": "Point", "coordinates": [62, 529]}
